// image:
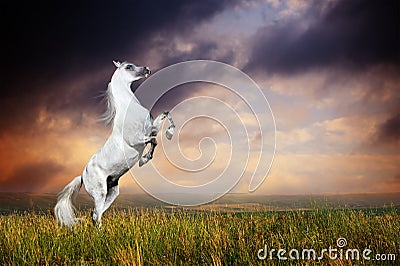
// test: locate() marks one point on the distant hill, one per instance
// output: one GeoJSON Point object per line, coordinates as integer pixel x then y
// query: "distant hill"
{"type": "Point", "coordinates": [20, 202]}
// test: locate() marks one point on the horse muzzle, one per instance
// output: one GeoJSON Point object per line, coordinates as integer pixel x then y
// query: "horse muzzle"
{"type": "Point", "coordinates": [146, 71]}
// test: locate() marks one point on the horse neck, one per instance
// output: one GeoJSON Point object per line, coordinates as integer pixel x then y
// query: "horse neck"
{"type": "Point", "coordinates": [122, 96]}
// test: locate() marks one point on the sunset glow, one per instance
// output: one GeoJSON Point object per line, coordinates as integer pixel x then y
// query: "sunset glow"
{"type": "Point", "coordinates": [329, 69]}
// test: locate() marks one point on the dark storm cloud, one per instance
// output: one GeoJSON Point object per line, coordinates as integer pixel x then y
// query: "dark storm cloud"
{"type": "Point", "coordinates": [352, 36]}
{"type": "Point", "coordinates": [77, 34]}
{"type": "Point", "coordinates": [31, 177]}
{"type": "Point", "coordinates": [389, 131]}
{"type": "Point", "coordinates": [202, 49]}
{"type": "Point", "coordinates": [47, 44]}
{"type": "Point", "coordinates": [353, 33]}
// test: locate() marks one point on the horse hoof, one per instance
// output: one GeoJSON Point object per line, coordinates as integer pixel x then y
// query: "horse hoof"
{"type": "Point", "coordinates": [143, 161]}
{"type": "Point", "coordinates": [169, 133]}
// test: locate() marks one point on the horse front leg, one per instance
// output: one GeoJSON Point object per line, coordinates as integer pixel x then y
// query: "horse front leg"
{"type": "Point", "coordinates": [154, 131]}
{"type": "Point", "coordinates": [158, 122]}
{"type": "Point", "coordinates": [149, 155]}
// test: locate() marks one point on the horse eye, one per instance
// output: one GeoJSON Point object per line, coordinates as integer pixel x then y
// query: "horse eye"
{"type": "Point", "coordinates": [129, 67]}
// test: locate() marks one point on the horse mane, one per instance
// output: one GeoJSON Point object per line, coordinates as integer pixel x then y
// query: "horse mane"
{"type": "Point", "coordinates": [109, 115]}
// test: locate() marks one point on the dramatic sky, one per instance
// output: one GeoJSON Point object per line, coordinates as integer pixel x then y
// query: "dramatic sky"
{"type": "Point", "coordinates": [329, 68]}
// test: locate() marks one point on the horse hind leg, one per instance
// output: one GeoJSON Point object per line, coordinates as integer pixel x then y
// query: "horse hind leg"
{"type": "Point", "coordinates": [97, 189]}
{"type": "Point", "coordinates": [99, 201]}
{"type": "Point", "coordinates": [112, 193]}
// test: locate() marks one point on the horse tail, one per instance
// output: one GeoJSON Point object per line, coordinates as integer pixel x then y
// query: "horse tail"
{"type": "Point", "coordinates": [64, 209]}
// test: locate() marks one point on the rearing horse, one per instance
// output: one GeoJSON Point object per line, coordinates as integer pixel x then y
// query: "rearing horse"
{"type": "Point", "coordinates": [120, 152]}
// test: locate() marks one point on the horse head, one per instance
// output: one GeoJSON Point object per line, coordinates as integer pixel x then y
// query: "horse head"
{"type": "Point", "coordinates": [129, 73]}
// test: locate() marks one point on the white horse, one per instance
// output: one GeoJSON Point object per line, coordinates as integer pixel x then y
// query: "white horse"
{"type": "Point", "coordinates": [120, 152]}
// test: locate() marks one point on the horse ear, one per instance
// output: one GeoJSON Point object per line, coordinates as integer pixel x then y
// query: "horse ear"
{"type": "Point", "coordinates": [117, 64]}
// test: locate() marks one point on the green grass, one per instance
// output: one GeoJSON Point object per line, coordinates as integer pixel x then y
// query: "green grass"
{"type": "Point", "coordinates": [157, 236]}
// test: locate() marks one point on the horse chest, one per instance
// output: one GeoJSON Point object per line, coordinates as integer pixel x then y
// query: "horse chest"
{"type": "Point", "coordinates": [137, 126]}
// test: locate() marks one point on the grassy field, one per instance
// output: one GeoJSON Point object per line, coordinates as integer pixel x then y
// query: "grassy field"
{"type": "Point", "coordinates": [167, 237]}
{"type": "Point", "coordinates": [20, 202]}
